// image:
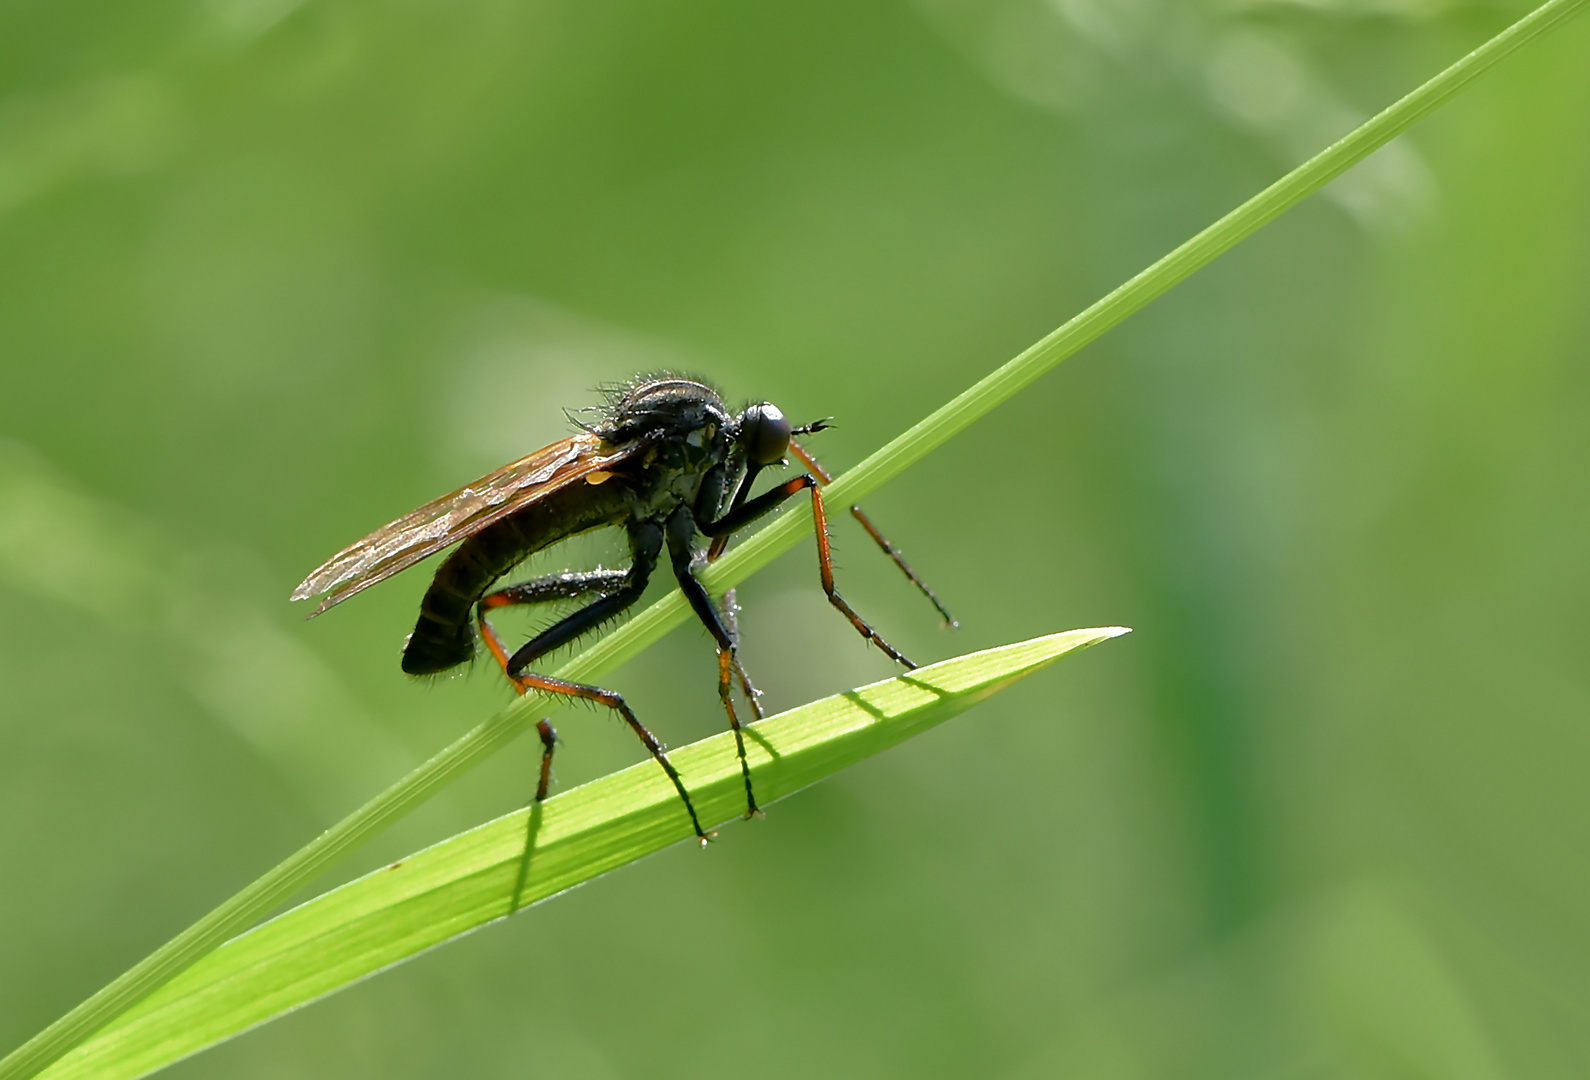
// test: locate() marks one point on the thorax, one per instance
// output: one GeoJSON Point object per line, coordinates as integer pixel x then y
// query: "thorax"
{"type": "Point", "coordinates": [671, 475]}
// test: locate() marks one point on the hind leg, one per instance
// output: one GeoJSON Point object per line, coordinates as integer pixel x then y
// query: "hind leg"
{"type": "Point", "coordinates": [646, 541]}
{"type": "Point", "coordinates": [542, 590]}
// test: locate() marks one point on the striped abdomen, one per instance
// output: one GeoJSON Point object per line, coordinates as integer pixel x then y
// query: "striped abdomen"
{"type": "Point", "coordinates": [444, 636]}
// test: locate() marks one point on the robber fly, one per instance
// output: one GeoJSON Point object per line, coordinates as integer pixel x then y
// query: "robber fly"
{"type": "Point", "coordinates": [666, 461]}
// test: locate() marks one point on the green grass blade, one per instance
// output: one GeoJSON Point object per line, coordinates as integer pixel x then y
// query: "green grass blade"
{"type": "Point", "coordinates": [469, 880]}
{"type": "Point", "coordinates": [259, 898]}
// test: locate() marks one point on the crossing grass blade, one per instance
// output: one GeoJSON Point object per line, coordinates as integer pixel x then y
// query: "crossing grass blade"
{"type": "Point", "coordinates": [479, 876]}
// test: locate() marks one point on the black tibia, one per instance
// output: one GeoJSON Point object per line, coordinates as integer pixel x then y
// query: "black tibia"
{"type": "Point", "coordinates": [681, 552]}
{"type": "Point", "coordinates": [645, 542]}
{"type": "Point", "coordinates": [442, 637]}
{"type": "Point", "coordinates": [824, 476]}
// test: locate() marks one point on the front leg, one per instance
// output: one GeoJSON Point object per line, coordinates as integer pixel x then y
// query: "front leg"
{"type": "Point", "coordinates": [771, 499]}
{"type": "Point", "coordinates": [825, 567]}
{"type": "Point", "coordinates": [743, 513]}
{"type": "Point", "coordinates": [681, 531]}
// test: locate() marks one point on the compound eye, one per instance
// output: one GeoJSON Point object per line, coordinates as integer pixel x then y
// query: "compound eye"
{"type": "Point", "coordinates": [766, 433]}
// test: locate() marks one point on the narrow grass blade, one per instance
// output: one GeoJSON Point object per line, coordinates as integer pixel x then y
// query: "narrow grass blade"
{"type": "Point", "coordinates": [260, 897]}
{"type": "Point", "coordinates": [470, 880]}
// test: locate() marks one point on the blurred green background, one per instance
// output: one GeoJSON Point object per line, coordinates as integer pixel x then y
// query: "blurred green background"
{"type": "Point", "coordinates": [273, 272]}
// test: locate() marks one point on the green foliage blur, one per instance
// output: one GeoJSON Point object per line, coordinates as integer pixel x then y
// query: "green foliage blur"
{"type": "Point", "coordinates": [273, 272]}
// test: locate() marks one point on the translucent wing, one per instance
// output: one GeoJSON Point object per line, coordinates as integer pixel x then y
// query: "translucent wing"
{"type": "Point", "coordinates": [425, 531]}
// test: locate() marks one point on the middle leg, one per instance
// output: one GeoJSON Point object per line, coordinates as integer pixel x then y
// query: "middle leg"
{"type": "Point", "coordinates": [729, 610]}
{"type": "Point", "coordinates": [681, 551]}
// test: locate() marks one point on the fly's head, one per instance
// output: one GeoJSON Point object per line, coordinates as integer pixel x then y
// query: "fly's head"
{"type": "Point", "coordinates": [762, 435]}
